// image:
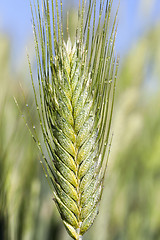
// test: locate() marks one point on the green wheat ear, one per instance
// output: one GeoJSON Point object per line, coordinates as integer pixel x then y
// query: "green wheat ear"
{"type": "Point", "coordinates": [75, 104]}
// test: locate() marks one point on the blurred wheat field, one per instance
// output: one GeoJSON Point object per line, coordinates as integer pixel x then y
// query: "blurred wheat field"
{"type": "Point", "coordinates": [130, 204]}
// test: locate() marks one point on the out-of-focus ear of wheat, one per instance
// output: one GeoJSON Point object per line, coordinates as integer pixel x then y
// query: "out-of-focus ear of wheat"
{"type": "Point", "coordinates": [75, 104]}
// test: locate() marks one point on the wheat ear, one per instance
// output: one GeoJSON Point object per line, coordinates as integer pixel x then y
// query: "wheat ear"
{"type": "Point", "coordinates": [75, 104]}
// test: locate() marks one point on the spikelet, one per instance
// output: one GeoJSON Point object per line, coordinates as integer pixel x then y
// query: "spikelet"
{"type": "Point", "coordinates": [75, 103]}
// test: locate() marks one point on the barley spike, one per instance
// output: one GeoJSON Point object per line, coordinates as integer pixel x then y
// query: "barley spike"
{"type": "Point", "coordinates": [74, 101]}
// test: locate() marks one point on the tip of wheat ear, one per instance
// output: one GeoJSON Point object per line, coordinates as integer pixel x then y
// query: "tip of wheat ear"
{"type": "Point", "coordinates": [75, 104]}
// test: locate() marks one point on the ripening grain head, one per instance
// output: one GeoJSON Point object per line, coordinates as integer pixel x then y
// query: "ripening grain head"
{"type": "Point", "coordinates": [75, 103]}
